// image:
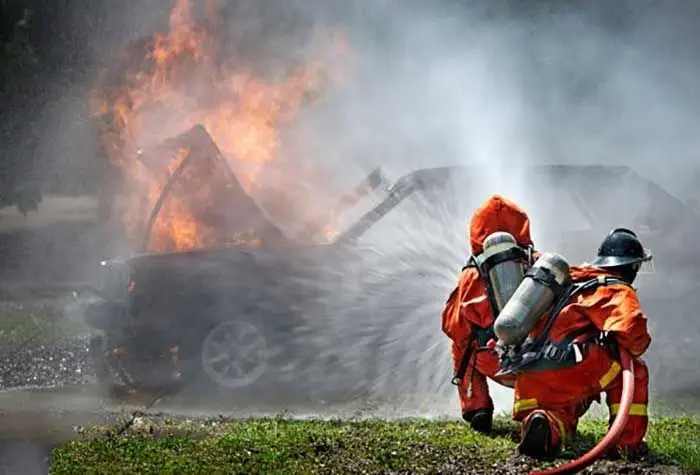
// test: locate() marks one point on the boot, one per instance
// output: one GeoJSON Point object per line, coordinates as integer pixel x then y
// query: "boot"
{"type": "Point", "coordinates": [537, 437]}
{"type": "Point", "coordinates": [481, 420]}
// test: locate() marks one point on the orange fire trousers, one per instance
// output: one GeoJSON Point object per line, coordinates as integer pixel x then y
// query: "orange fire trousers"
{"type": "Point", "coordinates": [564, 396]}
{"type": "Point", "coordinates": [474, 391]}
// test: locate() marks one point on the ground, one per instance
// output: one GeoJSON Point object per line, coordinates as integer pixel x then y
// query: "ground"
{"type": "Point", "coordinates": [281, 445]}
{"type": "Point", "coordinates": [40, 345]}
{"type": "Point", "coordinates": [48, 396]}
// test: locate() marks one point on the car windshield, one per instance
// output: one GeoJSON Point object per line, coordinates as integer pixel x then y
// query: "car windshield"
{"type": "Point", "coordinates": [447, 205]}
{"type": "Point", "coordinates": [568, 205]}
{"type": "Point", "coordinates": [619, 197]}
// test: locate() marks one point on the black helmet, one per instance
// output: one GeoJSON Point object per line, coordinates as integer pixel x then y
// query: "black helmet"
{"type": "Point", "coordinates": [620, 247]}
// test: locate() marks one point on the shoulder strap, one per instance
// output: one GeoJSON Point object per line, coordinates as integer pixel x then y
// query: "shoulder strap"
{"type": "Point", "coordinates": [471, 262]}
{"type": "Point", "coordinates": [603, 280]}
{"type": "Point", "coordinates": [464, 362]}
{"type": "Point", "coordinates": [573, 290]}
{"type": "Point", "coordinates": [487, 263]}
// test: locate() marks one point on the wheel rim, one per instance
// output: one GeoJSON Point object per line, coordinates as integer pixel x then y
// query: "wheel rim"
{"type": "Point", "coordinates": [234, 354]}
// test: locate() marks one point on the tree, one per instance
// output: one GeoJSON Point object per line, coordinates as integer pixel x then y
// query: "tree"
{"type": "Point", "coordinates": [17, 62]}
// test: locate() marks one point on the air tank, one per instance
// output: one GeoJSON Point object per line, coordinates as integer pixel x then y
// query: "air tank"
{"type": "Point", "coordinates": [505, 276]}
{"type": "Point", "coordinates": [533, 297]}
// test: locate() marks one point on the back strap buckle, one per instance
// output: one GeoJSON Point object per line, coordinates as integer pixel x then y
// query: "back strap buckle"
{"type": "Point", "coordinates": [554, 353]}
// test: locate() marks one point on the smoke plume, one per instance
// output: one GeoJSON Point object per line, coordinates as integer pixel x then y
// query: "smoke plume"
{"type": "Point", "coordinates": [491, 86]}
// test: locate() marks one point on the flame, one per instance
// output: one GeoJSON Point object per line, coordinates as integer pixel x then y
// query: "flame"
{"type": "Point", "coordinates": [175, 81]}
{"type": "Point", "coordinates": [180, 228]}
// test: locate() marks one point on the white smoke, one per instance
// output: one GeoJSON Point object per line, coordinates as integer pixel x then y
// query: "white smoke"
{"type": "Point", "coordinates": [501, 93]}
{"type": "Point", "coordinates": [447, 84]}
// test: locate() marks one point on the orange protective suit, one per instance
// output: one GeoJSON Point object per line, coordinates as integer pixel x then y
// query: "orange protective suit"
{"type": "Point", "coordinates": [563, 395]}
{"type": "Point", "coordinates": [467, 309]}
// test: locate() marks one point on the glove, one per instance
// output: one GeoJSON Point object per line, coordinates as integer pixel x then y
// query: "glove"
{"type": "Point", "coordinates": [500, 348]}
{"type": "Point", "coordinates": [609, 341]}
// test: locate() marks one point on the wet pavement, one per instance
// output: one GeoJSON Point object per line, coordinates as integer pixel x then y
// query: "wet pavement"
{"type": "Point", "coordinates": [20, 457]}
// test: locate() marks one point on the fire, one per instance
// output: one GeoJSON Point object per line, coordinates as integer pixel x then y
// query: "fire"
{"type": "Point", "coordinates": [176, 81]}
{"type": "Point", "coordinates": [180, 228]}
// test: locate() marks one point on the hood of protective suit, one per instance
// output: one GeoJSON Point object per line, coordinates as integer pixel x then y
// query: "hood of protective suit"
{"type": "Point", "coordinates": [498, 214]}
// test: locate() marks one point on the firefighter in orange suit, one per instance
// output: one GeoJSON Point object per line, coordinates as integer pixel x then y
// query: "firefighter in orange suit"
{"type": "Point", "coordinates": [468, 315]}
{"type": "Point", "coordinates": [593, 323]}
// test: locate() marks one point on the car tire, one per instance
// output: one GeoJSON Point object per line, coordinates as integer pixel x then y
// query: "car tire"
{"type": "Point", "coordinates": [250, 358]}
{"type": "Point", "coordinates": [235, 354]}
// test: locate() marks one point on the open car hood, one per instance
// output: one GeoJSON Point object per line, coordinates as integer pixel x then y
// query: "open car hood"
{"type": "Point", "coordinates": [208, 188]}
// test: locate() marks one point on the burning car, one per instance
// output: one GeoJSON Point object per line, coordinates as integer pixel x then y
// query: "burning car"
{"type": "Point", "coordinates": [225, 306]}
{"type": "Point", "coordinates": [219, 291]}
{"type": "Point", "coordinates": [245, 313]}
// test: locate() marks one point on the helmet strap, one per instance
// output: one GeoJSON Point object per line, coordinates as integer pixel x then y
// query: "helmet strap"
{"type": "Point", "coordinates": [629, 272]}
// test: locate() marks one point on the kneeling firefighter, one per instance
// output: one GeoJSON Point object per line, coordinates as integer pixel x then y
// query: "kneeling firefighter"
{"type": "Point", "coordinates": [560, 334]}
{"type": "Point", "coordinates": [501, 252]}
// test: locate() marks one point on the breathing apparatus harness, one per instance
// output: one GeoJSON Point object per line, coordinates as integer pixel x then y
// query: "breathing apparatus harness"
{"type": "Point", "coordinates": [541, 353]}
{"type": "Point", "coordinates": [483, 266]}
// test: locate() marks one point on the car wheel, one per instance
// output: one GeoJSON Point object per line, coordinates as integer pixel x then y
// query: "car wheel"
{"type": "Point", "coordinates": [235, 354]}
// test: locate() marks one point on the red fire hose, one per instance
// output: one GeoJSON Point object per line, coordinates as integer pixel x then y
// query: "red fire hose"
{"type": "Point", "coordinates": [615, 430]}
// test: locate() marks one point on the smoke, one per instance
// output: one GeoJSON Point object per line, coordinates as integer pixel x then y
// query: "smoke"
{"type": "Point", "coordinates": [455, 83]}
{"type": "Point", "coordinates": [499, 93]}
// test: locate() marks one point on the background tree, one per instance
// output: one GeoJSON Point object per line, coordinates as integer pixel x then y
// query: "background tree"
{"type": "Point", "coordinates": [17, 63]}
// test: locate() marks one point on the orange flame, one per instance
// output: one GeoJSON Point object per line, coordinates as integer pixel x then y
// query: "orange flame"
{"type": "Point", "coordinates": [178, 82]}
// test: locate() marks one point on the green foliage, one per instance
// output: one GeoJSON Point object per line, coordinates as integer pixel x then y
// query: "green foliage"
{"type": "Point", "coordinates": [25, 196]}
{"type": "Point", "coordinates": [17, 52]}
{"type": "Point", "coordinates": [38, 321]}
{"type": "Point", "coordinates": [17, 62]}
{"type": "Point", "coordinates": [373, 446]}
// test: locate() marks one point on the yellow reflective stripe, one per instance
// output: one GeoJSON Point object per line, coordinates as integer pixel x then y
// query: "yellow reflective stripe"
{"type": "Point", "coordinates": [524, 405]}
{"type": "Point", "coordinates": [610, 375]}
{"type": "Point", "coordinates": [635, 409]}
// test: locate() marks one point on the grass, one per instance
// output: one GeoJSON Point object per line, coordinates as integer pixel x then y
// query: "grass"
{"type": "Point", "coordinates": [672, 440]}
{"type": "Point", "coordinates": [36, 321]}
{"type": "Point", "coordinates": [285, 446]}
{"type": "Point", "coordinates": [372, 446]}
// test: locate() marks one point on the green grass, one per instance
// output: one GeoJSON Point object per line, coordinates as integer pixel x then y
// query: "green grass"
{"type": "Point", "coordinates": [372, 446]}
{"type": "Point", "coordinates": [672, 440]}
{"type": "Point", "coordinates": [37, 321]}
